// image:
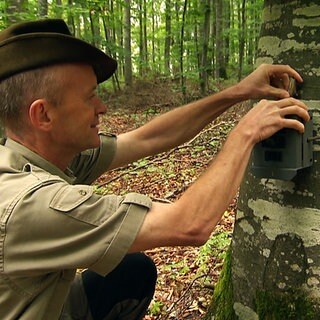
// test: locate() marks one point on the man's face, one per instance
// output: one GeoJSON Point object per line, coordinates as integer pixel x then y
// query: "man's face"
{"type": "Point", "coordinates": [76, 118]}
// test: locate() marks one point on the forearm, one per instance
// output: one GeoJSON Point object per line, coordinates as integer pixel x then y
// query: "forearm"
{"type": "Point", "coordinates": [191, 219]}
{"type": "Point", "coordinates": [174, 127]}
{"type": "Point", "coordinates": [181, 124]}
{"type": "Point", "coordinates": [209, 197]}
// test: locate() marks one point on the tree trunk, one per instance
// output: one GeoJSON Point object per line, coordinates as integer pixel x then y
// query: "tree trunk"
{"type": "Point", "coordinates": [127, 44]}
{"type": "Point", "coordinates": [220, 70]}
{"type": "Point", "coordinates": [204, 48]}
{"type": "Point", "coordinates": [168, 37]}
{"type": "Point", "coordinates": [273, 271]}
{"type": "Point", "coordinates": [42, 8]}
{"type": "Point", "coordinates": [242, 32]}
{"type": "Point", "coordinates": [182, 75]}
{"type": "Point", "coordinates": [141, 39]}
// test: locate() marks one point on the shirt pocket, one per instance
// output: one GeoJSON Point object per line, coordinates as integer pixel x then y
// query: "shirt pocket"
{"type": "Point", "coordinates": [70, 197]}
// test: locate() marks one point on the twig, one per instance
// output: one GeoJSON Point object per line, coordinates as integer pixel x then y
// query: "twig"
{"type": "Point", "coordinates": [185, 292]}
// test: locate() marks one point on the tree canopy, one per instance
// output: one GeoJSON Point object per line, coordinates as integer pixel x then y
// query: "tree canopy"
{"type": "Point", "coordinates": [180, 39]}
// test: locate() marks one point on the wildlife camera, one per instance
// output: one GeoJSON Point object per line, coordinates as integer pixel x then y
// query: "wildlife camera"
{"type": "Point", "coordinates": [284, 153]}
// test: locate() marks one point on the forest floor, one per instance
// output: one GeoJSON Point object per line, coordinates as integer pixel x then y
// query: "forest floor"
{"type": "Point", "coordinates": [186, 275]}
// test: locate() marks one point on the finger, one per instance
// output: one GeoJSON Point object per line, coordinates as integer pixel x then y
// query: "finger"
{"type": "Point", "coordinates": [293, 124]}
{"type": "Point", "coordinates": [278, 70]}
{"type": "Point", "coordinates": [295, 111]}
{"type": "Point", "coordinates": [278, 92]}
{"type": "Point", "coordinates": [291, 102]}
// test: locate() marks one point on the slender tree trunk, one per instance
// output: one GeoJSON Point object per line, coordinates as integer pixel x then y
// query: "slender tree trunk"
{"type": "Point", "coordinates": [182, 76]}
{"type": "Point", "coordinates": [95, 26]}
{"type": "Point", "coordinates": [227, 26]}
{"type": "Point", "coordinates": [168, 38]}
{"type": "Point", "coordinates": [70, 19]}
{"type": "Point", "coordinates": [43, 8]}
{"type": "Point", "coordinates": [220, 70]}
{"type": "Point", "coordinates": [127, 44]}
{"type": "Point", "coordinates": [141, 39]}
{"type": "Point", "coordinates": [108, 31]}
{"type": "Point", "coordinates": [273, 271]}
{"type": "Point", "coordinates": [145, 36]}
{"type": "Point", "coordinates": [153, 41]}
{"type": "Point", "coordinates": [204, 52]}
{"type": "Point", "coordinates": [242, 18]}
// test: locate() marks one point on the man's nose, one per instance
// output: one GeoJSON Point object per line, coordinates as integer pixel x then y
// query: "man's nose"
{"type": "Point", "coordinates": [101, 108]}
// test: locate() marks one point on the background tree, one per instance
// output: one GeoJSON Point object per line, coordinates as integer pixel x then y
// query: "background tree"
{"type": "Point", "coordinates": [220, 68]}
{"type": "Point", "coordinates": [182, 71]}
{"type": "Point", "coordinates": [272, 271]}
{"type": "Point", "coordinates": [242, 32]}
{"type": "Point", "coordinates": [203, 57]}
{"type": "Point", "coordinates": [168, 37]}
{"type": "Point", "coordinates": [127, 44]}
{"type": "Point", "coordinates": [43, 8]}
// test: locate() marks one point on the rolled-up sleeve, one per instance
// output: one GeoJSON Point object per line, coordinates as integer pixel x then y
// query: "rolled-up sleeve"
{"type": "Point", "coordinates": [90, 164]}
{"type": "Point", "coordinates": [133, 209]}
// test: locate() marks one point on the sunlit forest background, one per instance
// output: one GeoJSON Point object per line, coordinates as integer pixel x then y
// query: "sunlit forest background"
{"type": "Point", "coordinates": [203, 41]}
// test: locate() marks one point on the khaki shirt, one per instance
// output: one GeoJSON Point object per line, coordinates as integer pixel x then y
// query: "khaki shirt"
{"type": "Point", "coordinates": [51, 225]}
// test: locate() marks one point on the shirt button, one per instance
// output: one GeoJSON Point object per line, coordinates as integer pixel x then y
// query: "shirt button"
{"type": "Point", "coordinates": [83, 192]}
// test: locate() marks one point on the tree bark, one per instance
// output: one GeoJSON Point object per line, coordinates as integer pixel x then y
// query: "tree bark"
{"type": "Point", "coordinates": [168, 37]}
{"type": "Point", "coordinates": [127, 44]}
{"type": "Point", "coordinates": [182, 74]}
{"type": "Point", "coordinates": [242, 32]}
{"type": "Point", "coordinates": [220, 68]}
{"type": "Point", "coordinates": [203, 79]}
{"type": "Point", "coordinates": [42, 8]}
{"type": "Point", "coordinates": [274, 267]}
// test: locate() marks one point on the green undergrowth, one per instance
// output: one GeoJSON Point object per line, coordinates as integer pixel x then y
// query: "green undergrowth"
{"type": "Point", "coordinates": [215, 247]}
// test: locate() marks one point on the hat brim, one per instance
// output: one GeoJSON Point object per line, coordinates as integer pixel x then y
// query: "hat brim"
{"type": "Point", "coordinates": [34, 50]}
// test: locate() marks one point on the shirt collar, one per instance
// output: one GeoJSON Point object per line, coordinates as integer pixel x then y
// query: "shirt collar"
{"type": "Point", "coordinates": [38, 161]}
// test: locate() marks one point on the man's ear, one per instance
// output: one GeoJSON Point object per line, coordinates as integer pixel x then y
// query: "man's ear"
{"type": "Point", "coordinates": [39, 115]}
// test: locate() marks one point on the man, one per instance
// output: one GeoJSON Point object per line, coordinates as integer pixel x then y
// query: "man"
{"type": "Point", "coordinates": [51, 221]}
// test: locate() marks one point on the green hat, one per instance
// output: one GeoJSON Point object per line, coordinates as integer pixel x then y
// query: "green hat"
{"type": "Point", "coordinates": [30, 45]}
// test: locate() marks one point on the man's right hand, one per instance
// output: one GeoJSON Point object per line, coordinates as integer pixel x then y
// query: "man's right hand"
{"type": "Point", "coordinates": [268, 117]}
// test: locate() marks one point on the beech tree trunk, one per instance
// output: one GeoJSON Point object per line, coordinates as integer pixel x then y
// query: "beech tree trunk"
{"type": "Point", "coordinates": [127, 44]}
{"type": "Point", "coordinates": [272, 270]}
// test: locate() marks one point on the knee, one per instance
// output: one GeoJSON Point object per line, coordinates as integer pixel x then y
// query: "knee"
{"type": "Point", "coordinates": [145, 268]}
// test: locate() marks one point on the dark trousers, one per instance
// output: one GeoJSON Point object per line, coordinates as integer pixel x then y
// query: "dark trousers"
{"type": "Point", "coordinates": [125, 293]}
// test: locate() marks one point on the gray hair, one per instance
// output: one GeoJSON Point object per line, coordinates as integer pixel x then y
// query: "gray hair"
{"type": "Point", "coordinates": [19, 91]}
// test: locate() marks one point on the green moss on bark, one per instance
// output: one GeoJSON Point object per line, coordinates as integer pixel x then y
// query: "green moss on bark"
{"type": "Point", "coordinates": [222, 303]}
{"type": "Point", "coordinates": [291, 305]}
